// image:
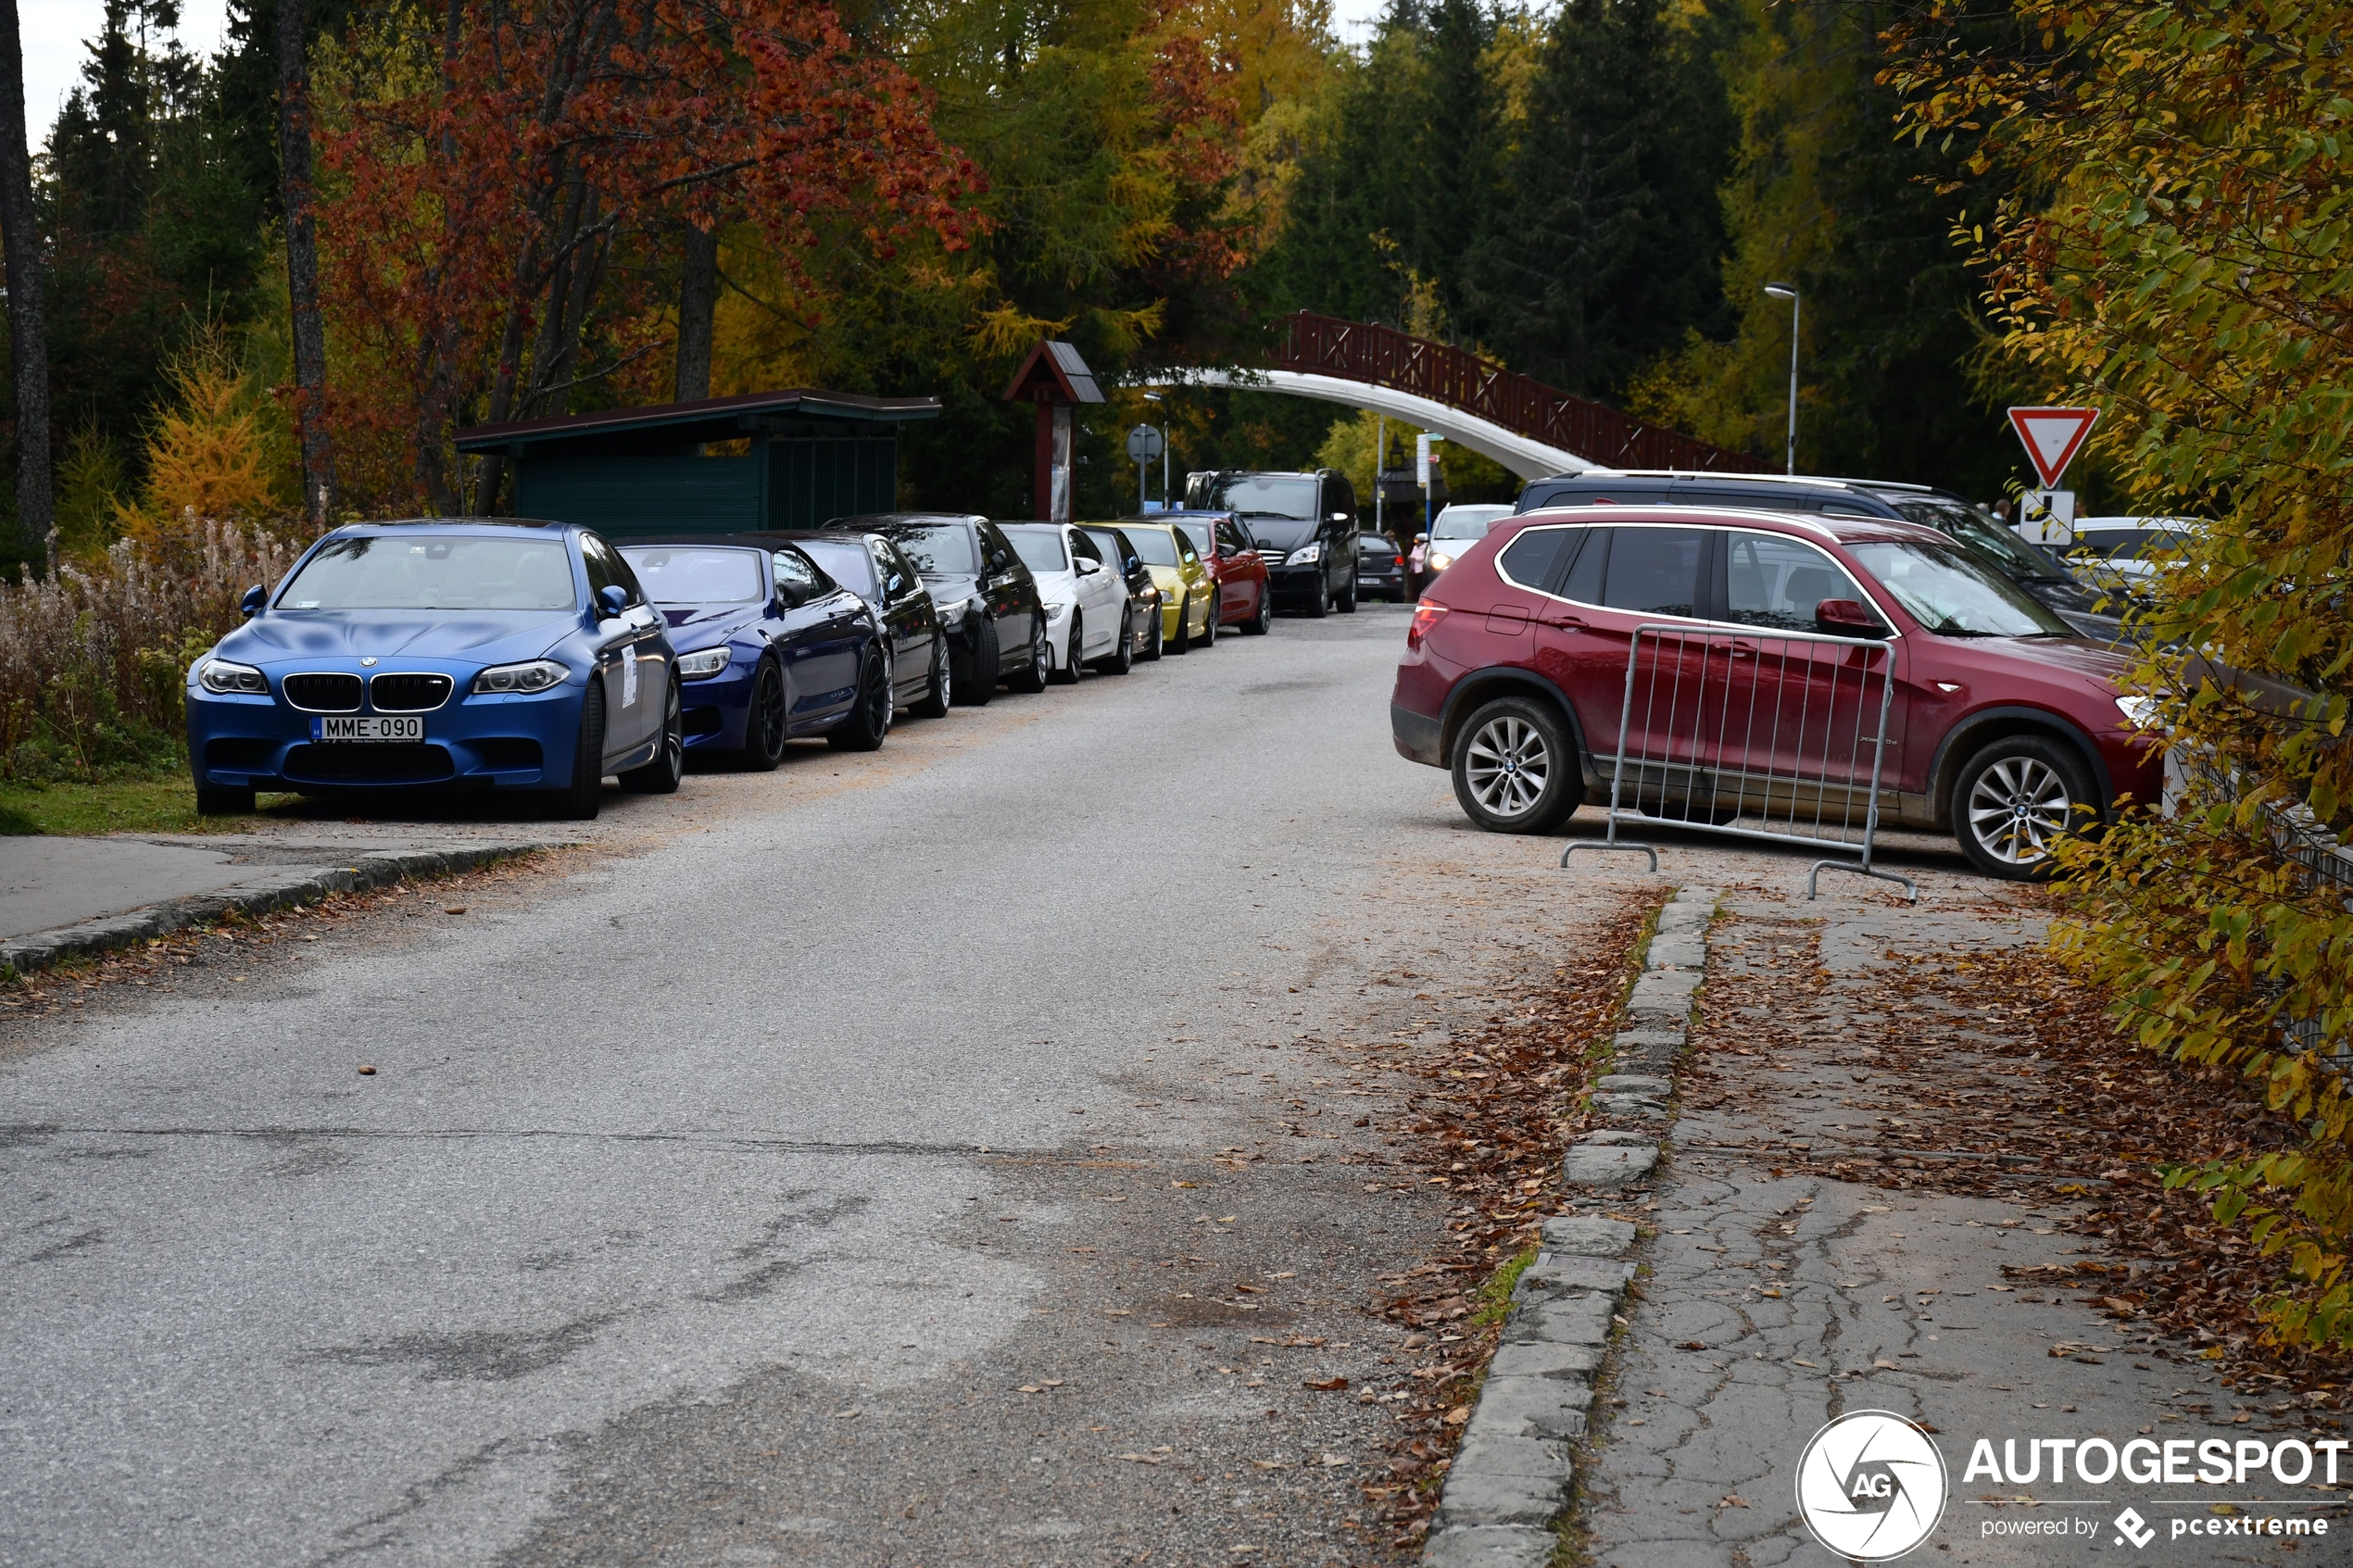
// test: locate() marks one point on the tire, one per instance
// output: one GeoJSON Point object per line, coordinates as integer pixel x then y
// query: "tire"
{"type": "Point", "coordinates": [1032, 680]}
{"type": "Point", "coordinates": [661, 775]}
{"type": "Point", "coordinates": [1209, 623]}
{"type": "Point", "coordinates": [225, 801]}
{"type": "Point", "coordinates": [1257, 625]}
{"type": "Point", "coordinates": [1184, 643]}
{"type": "Point", "coordinates": [869, 721]}
{"type": "Point", "coordinates": [1153, 647]}
{"type": "Point", "coordinates": [1066, 673]}
{"type": "Point", "coordinates": [1323, 605]}
{"type": "Point", "coordinates": [1516, 768]}
{"type": "Point", "coordinates": [985, 669]}
{"type": "Point", "coordinates": [933, 704]}
{"type": "Point", "coordinates": [766, 724]}
{"type": "Point", "coordinates": [580, 800]}
{"type": "Point", "coordinates": [1347, 599]}
{"type": "Point", "coordinates": [1122, 658]}
{"type": "Point", "coordinates": [2013, 797]}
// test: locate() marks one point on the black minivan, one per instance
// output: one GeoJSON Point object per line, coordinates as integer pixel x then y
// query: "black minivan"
{"type": "Point", "coordinates": [2028, 565]}
{"type": "Point", "coordinates": [1304, 526]}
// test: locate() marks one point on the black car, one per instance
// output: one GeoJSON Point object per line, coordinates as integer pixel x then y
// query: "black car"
{"type": "Point", "coordinates": [1304, 525]}
{"type": "Point", "coordinates": [879, 572]}
{"type": "Point", "coordinates": [2027, 565]}
{"type": "Point", "coordinates": [1380, 567]}
{"type": "Point", "coordinates": [986, 599]}
{"type": "Point", "coordinates": [1143, 593]}
{"type": "Point", "coordinates": [768, 647]}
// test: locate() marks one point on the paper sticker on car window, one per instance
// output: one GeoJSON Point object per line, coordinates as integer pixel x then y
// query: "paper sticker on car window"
{"type": "Point", "coordinates": [628, 674]}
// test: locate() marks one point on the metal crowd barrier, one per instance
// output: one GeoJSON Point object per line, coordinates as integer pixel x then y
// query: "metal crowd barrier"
{"type": "Point", "coordinates": [1770, 735]}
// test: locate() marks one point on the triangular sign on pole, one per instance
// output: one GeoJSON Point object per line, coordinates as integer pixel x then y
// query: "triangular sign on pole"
{"type": "Point", "coordinates": [2052, 438]}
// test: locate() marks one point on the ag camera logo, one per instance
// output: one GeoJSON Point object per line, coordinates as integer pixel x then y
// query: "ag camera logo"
{"type": "Point", "coordinates": [1870, 1485]}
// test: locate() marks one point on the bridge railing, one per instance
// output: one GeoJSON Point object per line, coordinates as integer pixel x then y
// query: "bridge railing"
{"type": "Point", "coordinates": [1385, 357]}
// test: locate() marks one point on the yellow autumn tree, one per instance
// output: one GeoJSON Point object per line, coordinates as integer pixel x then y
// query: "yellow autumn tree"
{"type": "Point", "coordinates": [211, 452]}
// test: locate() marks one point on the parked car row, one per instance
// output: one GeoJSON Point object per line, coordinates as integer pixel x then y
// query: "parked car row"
{"type": "Point", "coordinates": [2007, 723]}
{"type": "Point", "coordinates": [508, 654]}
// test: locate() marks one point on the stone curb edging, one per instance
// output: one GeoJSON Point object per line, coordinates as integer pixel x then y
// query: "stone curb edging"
{"type": "Point", "coordinates": [291, 885]}
{"type": "Point", "coordinates": [1510, 1478]}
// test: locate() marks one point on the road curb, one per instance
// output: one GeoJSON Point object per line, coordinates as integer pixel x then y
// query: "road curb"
{"type": "Point", "coordinates": [1510, 1479]}
{"type": "Point", "coordinates": [278, 889]}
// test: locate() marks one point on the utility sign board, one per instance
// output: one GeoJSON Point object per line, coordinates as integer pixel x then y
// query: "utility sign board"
{"type": "Point", "coordinates": [2052, 438]}
{"type": "Point", "coordinates": [1144, 444]}
{"type": "Point", "coordinates": [1421, 457]}
{"type": "Point", "coordinates": [2047, 516]}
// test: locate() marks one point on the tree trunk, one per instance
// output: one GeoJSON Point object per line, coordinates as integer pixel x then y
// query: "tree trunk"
{"type": "Point", "coordinates": [697, 304]}
{"type": "Point", "coordinates": [28, 324]}
{"type": "Point", "coordinates": [302, 265]}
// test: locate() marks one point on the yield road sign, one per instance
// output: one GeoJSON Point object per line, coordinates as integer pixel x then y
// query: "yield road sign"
{"type": "Point", "coordinates": [1144, 444]}
{"type": "Point", "coordinates": [2052, 438]}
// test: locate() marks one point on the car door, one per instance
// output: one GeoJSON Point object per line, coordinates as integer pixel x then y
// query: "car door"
{"type": "Point", "coordinates": [823, 639]}
{"type": "Point", "coordinates": [1338, 516]}
{"type": "Point", "coordinates": [1199, 582]}
{"type": "Point", "coordinates": [903, 621]}
{"type": "Point", "coordinates": [1008, 589]}
{"type": "Point", "coordinates": [1237, 589]}
{"type": "Point", "coordinates": [1802, 713]}
{"type": "Point", "coordinates": [1102, 596]}
{"type": "Point", "coordinates": [628, 656]}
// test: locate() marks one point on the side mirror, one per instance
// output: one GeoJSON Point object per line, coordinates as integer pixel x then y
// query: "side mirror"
{"type": "Point", "coordinates": [1132, 564]}
{"type": "Point", "coordinates": [1847, 617]}
{"type": "Point", "coordinates": [612, 600]}
{"type": "Point", "coordinates": [256, 596]}
{"type": "Point", "coordinates": [1339, 516]}
{"type": "Point", "coordinates": [1088, 568]}
{"type": "Point", "coordinates": [996, 561]}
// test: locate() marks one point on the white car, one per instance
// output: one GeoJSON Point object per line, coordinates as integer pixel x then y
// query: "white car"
{"type": "Point", "coordinates": [2112, 553]}
{"type": "Point", "coordinates": [1086, 607]}
{"type": "Point", "coordinates": [1457, 528]}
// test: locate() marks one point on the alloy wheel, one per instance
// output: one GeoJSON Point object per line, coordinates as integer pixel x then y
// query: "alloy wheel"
{"type": "Point", "coordinates": [2016, 808]}
{"type": "Point", "coordinates": [1508, 765]}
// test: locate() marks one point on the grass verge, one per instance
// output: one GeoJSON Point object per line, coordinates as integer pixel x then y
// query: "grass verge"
{"type": "Point", "coordinates": [156, 804]}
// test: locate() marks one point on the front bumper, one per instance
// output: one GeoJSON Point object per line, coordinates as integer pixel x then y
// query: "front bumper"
{"type": "Point", "coordinates": [509, 741]}
{"type": "Point", "coordinates": [1297, 582]}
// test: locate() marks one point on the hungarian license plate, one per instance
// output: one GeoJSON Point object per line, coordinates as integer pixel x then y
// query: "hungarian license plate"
{"type": "Point", "coordinates": [365, 727]}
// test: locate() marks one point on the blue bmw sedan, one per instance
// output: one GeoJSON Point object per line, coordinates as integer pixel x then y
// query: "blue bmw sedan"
{"type": "Point", "coordinates": [475, 653]}
{"type": "Point", "coordinates": [770, 647]}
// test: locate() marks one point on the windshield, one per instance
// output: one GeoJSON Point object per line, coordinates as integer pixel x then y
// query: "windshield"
{"type": "Point", "coordinates": [846, 561]}
{"type": "Point", "coordinates": [1153, 546]}
{"type": "Point", "coordinates": [2016, 555]}
{"type": "Point", "coordinates": [1203, 535]}
{"type": "Point", "coordinates": [939, 549]}
{"type": "Point", "coordinates": [1467, 523]}
{"type": "Point", "coordinates": [696, 577]}
{"type": "Point", "coordinates": [404, 571]}
{"type": "Point", "coordinates": [1040, 549]}
{"type": "Point", "coordinates": [1276, 495]}
{"type": "Point", "coordinates": [1951, 592]}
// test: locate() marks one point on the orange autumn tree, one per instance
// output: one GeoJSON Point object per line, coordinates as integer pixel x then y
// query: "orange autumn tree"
{"type": "Point", "coordinates": [510, 187]}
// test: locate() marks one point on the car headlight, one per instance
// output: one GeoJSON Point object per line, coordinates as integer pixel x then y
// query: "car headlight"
{"type": "Point", "coordinates": [703, 664]}
{"type": "Point", "coordinates": [1307, 555]}
{"type": "Point", "coordinates": [1440, 562]}
{"type": "Point", "coordinates": [219, 675]}
{"type": "Point", "coordinates": [535, 676]}
{"type": "Point", "coordinates": [2139, 712]}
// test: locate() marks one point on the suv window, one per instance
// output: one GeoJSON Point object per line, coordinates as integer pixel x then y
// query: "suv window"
{"type": "Point", "coordinates": [1770, 581]}
{"type": "Point", "coordinates": [1592, 493]}
{"type": "Point", "coordinates": [606, 568]}
{"type": "Point", "coordinates": [1537, 558]}
{"type": "Point", "coordinates": [1340, 496]}
{"type": "Point", "coordinates": [1654, 571]}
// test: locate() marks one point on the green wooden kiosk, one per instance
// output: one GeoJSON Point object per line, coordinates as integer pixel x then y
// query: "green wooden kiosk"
{"type": "Point", "coordinates": [812, 456]}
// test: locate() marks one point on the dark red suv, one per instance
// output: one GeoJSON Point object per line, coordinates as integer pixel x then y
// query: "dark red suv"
{"type": "Point", "coordinates": [2003, 727]}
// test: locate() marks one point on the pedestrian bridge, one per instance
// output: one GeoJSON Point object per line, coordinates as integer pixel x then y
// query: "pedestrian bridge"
{"type": "Point", "coordinates": [1530, 429]}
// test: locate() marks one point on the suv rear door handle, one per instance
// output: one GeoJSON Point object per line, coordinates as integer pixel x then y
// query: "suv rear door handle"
{"type": "Point", "coordinates": [1565, 623]}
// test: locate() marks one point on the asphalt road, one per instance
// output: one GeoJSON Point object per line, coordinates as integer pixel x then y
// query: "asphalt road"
{"type": "Point", "coordinates": [847, 1165]}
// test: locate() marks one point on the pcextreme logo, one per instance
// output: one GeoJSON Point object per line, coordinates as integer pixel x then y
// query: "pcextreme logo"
{"type": "Point", "coordinates": [1870, 1485]}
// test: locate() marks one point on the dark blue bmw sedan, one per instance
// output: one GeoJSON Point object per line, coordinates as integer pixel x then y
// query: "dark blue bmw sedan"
{"type": "Point", "coordinates": [769, 647]}
{"type": "Point", "coordinates": [482, 653]}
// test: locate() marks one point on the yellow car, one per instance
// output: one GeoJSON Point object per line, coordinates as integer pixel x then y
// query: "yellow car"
{"type": "Point", "coordinates": [1188, 593]}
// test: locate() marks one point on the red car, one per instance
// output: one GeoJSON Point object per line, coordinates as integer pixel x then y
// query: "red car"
{"type": "Point", "coordinates": [2004, 725]}
{"type": "Point", "coordinates": [1244, 598]}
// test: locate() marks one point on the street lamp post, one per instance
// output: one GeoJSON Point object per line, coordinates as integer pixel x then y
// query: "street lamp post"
{"type": "Point", "coordinates": [1155, 398]}
{"type": "Point", "coordinates": [1789, 291]}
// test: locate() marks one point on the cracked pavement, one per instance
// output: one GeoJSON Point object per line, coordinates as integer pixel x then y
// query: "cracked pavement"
{"type": "Point", "coordinates": [1772, 1301]}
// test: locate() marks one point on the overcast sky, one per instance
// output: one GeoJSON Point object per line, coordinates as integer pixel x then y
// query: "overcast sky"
{"type": "Point", "coordinates": [54, 31]}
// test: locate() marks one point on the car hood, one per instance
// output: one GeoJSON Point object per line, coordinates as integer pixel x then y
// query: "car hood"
{"type": "Point", "coordinates": [1280, 532]}
{"type": "Point", "coordinates": [2076, 656]}
{"type": "Point", "coordinates": [488, 636]}
{"type": "Point", "coordinates": [701, 626]}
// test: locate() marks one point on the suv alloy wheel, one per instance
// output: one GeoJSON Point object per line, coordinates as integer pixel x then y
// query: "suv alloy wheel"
{"type": "Point", "coordinates": [2013, 798]}
{"type": "Point", "coordinates": [1516, 768]}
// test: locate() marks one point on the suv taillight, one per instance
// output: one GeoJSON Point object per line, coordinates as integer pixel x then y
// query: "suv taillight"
{"type": "Point", "coordinates": [1425, 616]}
